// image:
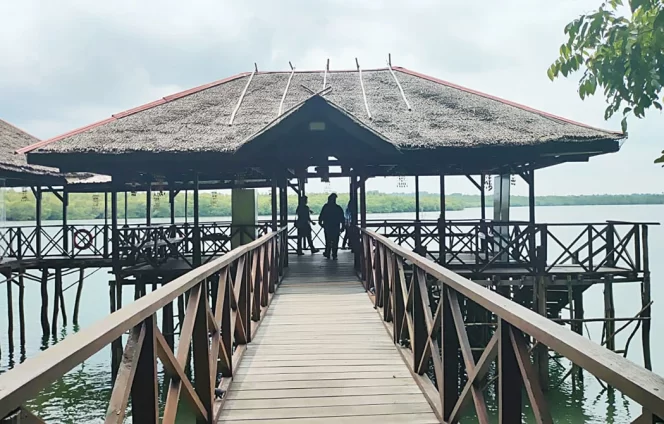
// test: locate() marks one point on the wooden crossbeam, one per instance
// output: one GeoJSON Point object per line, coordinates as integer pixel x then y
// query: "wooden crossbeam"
{"type": "Point", "coordinates": [530, 381]}
{"type": "Point", "coordinates": [117, 406]}
{"type": "Point", "coordinates": [479, 372]}
{"type": "Point", "coordinates": [176, 372]}
{"type": "Point", "coordinates": [186, 331]}
{"type": "Point", "coordinates": [467, 355]}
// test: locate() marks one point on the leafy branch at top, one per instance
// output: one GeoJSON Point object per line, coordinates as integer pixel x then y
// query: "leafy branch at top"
{"type": "Point", "coordinates": [623, 56]}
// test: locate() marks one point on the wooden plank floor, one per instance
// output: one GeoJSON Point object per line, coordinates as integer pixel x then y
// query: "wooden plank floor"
{"type": "Point", "coordinates": [323, 356]}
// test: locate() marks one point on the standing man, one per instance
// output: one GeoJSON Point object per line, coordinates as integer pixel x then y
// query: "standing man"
{"type": "Point", "coordinates": [303, 224]}
{"type": "Point", "coordinates": [332, 220]}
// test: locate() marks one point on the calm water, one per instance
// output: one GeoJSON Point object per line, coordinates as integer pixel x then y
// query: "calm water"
{"type": "Point", "coordinates": [81, 396]}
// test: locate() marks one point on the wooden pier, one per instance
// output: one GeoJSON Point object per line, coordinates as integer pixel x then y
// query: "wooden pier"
{"type": "Point", "coordinates": [450, 307]}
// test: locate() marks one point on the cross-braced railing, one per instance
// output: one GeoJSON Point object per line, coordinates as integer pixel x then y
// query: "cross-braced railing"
{"type": "Point", "coordinates": [226, 300]}
{"type": "Point", "coordinates": [432, 333]}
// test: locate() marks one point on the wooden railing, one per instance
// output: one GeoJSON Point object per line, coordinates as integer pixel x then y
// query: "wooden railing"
{"type": "Point", "coordinates": [216, 329]}
{"type": "Point", "coordinates": [432, 332]}
{"type": "Point", "coordinates": [477, 247]}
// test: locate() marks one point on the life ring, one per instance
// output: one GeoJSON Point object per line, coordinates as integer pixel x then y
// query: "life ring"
{"type": "Point", "coordinates": [82, 239]}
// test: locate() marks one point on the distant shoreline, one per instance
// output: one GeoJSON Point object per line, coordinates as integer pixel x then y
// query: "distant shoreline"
{"type": "Point", "coordinates": [20, 206]}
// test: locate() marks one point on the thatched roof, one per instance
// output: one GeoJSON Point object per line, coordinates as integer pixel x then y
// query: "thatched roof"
{"type": "Point", "coordinates": [13, 139]}
{"type": "Point", "coordinates": [441, 115]}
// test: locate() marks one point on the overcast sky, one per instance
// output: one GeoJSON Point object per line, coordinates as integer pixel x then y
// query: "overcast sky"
{"type": "Point", "coordinates": [68, 63]}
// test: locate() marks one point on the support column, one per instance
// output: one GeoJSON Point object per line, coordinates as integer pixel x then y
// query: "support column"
{"type": "Point", "coordinates": [531, 197]}
{"type": "Point", "coordinates": [65, 229]}
{"type": "Point", "coordinates": [116, 345]}
{"type": "Point", "coordinates": [38, 220]}
{"type": "Point", "coordinates": [363, 202]}
{"type": "Point", "coordinates": [148, 204]}
{"type": "Point", "coordinates": [483, 197]}
{"type": "Point", "coordinates": [171, 202]}
{"type": "Point", "coordinates": [197, 260]}
{"type": "Point", "coordinates": [273, 196]}
{"type": "Point", "coordinates": [417, 198]}
{"type": "Point", "coordinates": [442, 259]}
{"type": "Point", "coordinates": [501, 212]}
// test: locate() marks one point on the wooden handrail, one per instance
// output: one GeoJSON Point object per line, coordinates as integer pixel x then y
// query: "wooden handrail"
{"type": "Point", "coordinates": [26, 380]}
{"type": "Point", "coordinates": [636, 382]}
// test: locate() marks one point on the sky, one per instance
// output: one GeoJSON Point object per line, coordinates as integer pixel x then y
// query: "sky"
{"type": "Point", "coordinates": [69, 63]}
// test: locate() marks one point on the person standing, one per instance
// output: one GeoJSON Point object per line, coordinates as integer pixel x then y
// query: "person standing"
{"type": "Point", "coordinates": [303, 224]}
{"type": "Point", "coordinates": [332, 220]}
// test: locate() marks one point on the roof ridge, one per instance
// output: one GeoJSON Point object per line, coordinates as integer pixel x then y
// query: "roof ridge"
{"type": "Point", "coordinates": [504, 101]}
{"type": "Point", "coordinates": [131, 111]}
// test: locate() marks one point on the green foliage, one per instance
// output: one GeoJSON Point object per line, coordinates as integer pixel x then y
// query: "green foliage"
{"type": "Point", "coordinates": [21, 207]}
{"type": "Point", "coordinates": [622, 55]}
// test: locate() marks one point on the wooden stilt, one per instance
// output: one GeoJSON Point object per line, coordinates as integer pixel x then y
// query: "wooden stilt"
{"type": "Point", "coordinates": [645, 301]}
{"type": "Point", "coordinates": [167, 324]}
{"type": "Point", "coordinates": [57, 288]}
{"type": "Point", "coordinates": [79, 290]}
{"type": "Point", "coordinates": [116, 355]}
{"type": "Point", "coordinates": [609, 313]}
{"type": "Point", "coordinates": [180, 311]}
{"type": "Point", "coordinates": [21, 310]}
{"type": "Point", "coordinates": [10, 313]}
{"type": "Point", "coordinates": [63, 308]}
{"type": "Point", "coordinates": [541, 351]}
{"type": "Point", "coordinates": [46, 329]}
{"type": "Point", "coordinates": [578, 325]}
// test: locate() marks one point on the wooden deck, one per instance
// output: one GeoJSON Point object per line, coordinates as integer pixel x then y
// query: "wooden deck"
{"type": "Point", "coordinates": [322, 355]}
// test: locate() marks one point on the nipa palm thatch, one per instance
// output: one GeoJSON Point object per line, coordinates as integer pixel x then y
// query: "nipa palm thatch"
{"type": "Point", "coordinates": [430, 114]}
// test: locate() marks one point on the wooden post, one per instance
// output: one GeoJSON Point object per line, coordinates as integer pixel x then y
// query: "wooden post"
{"type": "Point", "coordinates": [171, 203]}
{"type": "Point", "coordinates": [197, 231]}
{"type": "Point", "coordinates": [273, 193]}
{"type": "Point", "coordinates": [125, 206]}
{"type": "Point", "coordinates": [61, 298]}
{"type": "Point", "coordinates": [541, 357]}
{"type": "Point", "coordinates": [38, 220]}
{"type": "Point", "coordinates": [577, 326]}
{"type": "Point", "coordinates": [115, 236]}
{"type": "Point", "coordinates": [79, 291]}
{"type": "Point", "coordinates": [609, 314]}
{"type": "Point", "coordinates": [450, 356]}
{"type": "Point", "coordinates": [442, 254]}
{"type": "Point", "coordinates": [116, 345]}
{"type": "Point", "coordinates": [144, 390]}
{"type": "Point", "coordinates": [645, 300]}
{"type": "Point", "coordinates": [46, 328]}
{"type": "Point", "coordinates": [21, 309]}
{"type": "Point", "coordinates": [510, 382]}
{"type": "Point", "coordinates": [10, 313]}
{"type": "Point", "coordinates": [56, 302]}
{"type": "Point", "coordinates": [201, 343]}
{"type": "Point", "coordinates": [148, 204]}
{"type": "Point", "coordinates": [363, 202]}
{"type": "Point", "coordinates": [482, 197]}
{"type": "Point", "coordinates": [65, 228]}
{"type": "Point", "coordinates": [167, 324]}
{"type": "Point", "coordinates": [417, 197]}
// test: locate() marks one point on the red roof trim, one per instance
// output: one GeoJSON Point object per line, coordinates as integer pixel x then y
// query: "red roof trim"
{"type": "Point", "coordinates": [139, 109]}
{"type": "Point", "coordinates": [501, 100]}
{"type": "Point", "coordinates": [129, 112]}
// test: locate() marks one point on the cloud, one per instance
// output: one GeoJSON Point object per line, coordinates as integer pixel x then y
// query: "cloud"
{"type": "Point", "coordinates": [68, 63]}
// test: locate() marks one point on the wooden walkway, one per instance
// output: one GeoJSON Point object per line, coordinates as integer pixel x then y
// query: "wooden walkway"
{"type": "Point", "coordinates": [322, 355]}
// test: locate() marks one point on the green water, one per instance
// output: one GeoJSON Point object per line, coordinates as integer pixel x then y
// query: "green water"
{"type": "Point", "coordinates": [81, 396]}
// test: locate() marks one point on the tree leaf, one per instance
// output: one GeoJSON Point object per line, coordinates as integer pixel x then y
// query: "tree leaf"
{"type": "Point", "coordinates": [550, 73]}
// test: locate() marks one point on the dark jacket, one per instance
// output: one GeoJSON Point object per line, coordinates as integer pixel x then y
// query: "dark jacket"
{"type": "Point", "coordinates": [331, 217]}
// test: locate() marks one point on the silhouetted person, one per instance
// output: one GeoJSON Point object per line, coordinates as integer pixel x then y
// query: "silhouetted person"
{"type": "Point", "coordinates": [303, 225]}
{"type": "Point", "coordinates": [332, 220]}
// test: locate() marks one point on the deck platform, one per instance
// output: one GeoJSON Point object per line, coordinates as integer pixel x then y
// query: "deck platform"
{"type": "Point", "coordinates": [323, 355]}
